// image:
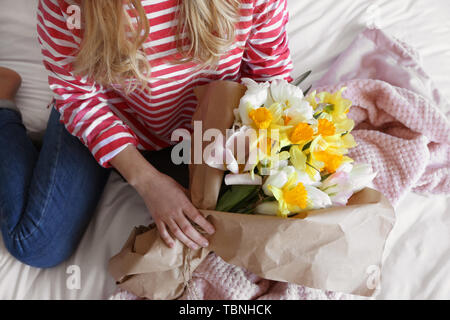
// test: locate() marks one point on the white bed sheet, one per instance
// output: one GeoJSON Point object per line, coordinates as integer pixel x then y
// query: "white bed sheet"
{"type": "Point", "coordinates": [417, 257]}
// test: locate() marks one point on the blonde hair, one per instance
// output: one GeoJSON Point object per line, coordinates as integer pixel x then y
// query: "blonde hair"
{"type": "Point", "coordinates": [112, 48]}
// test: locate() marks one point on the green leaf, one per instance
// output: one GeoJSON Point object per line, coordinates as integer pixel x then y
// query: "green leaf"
{"type": "Point", "coordinates": [307, 90]}
{"type": "Point", "coordinates": [248, 205]}
{"type": "Point", "coordinates": [235, 196]}
{"type": "Point", "coordinates": [306, 146]}
{"type": "Point", "coordinates": [269, 199]}
{"type": "Point", "coordinates": [302, 78]}
{"type": "Point", "coordinates": [285, 148]}
{"type": "Point", "coordinates": [317, 115]}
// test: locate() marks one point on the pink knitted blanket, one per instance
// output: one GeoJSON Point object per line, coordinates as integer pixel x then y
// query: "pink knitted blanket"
{"type": "Point", "coordinates": [402, 131]}
{"type": "Point", "coordinates": [402, 119]}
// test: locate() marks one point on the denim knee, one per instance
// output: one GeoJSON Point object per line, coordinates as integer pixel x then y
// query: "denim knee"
{"type": "Point", "coordinates": [37, 254]}
{"type": "Point", "coordinates": [10, 116]}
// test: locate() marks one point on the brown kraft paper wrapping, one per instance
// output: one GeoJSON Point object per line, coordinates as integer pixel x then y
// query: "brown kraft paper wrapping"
{"type": "Point", "coordinates": [330, 249]}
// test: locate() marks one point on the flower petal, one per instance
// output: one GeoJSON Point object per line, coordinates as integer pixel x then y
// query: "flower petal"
{"type": "Point", "coordinates": [268, 208]}
{"type": "Point", "coordinates": [243, 179]}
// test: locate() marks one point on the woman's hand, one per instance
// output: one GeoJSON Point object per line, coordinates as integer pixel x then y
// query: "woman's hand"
{"type": "Point", "coordinates": [165, 198]}
{"type": "Point", "coordinates": [172, 210]}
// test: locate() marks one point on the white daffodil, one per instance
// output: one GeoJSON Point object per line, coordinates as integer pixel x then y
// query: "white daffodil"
{"type": "Point", "coordinates": [317, 199]}
{"type": "Point", "coordinates": [306, 179]}
{"type": "Point", "coordinates": [292, 196]}
{"type": "Point", "coordinates": [361, 176]}
{"type": "Point", "coordinates": [347, 180]}
{"type": "Point", "coordinates": [301, 112]}
{"type": "Point", "coordinates": [255, 96]}
{"type": "Point", "coordinates": [281, 91]}
{"type": "Point", "coordinates": [278, 179]}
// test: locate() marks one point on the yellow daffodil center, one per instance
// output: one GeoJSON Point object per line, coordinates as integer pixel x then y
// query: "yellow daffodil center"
{"type": "Point", "coordinates": [296, 196]}
{"type": "Point", "coordinates": [331, 161]}
{"type": "Point", "coordinates": [262, 117]}
{"type": "Point", "coordinates": [326, 128]}
{"type": "Point", "coordinates": [301, 133]}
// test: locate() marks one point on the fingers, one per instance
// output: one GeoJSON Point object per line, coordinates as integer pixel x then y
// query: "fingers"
{"type": "Point", "coordinates": [199, 219]}
{"type": "Point", "coordinates": [165, 234]}
{"type": "Point", "coordinates": [187, 228]}
{"type": "Point", "coordinates": [177, 232]}
{"type": "Point", "coordinates": [178, 219]}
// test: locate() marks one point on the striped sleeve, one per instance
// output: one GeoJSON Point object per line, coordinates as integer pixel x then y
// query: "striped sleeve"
{"type": "Point", "coordinates": [83, 105]}
{"type": "Point", "coordinates": [267, 55]}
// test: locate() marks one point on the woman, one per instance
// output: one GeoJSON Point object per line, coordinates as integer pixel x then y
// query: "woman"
{"type": "Point", "coordinates": [122, 83]}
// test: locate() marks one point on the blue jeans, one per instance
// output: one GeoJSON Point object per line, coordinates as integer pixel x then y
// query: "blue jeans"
{"type": "Point", "coordinates": [47, 197]}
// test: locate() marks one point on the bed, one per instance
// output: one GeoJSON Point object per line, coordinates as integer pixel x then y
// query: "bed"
{"type": "Point", "coordinates": [417, 255]}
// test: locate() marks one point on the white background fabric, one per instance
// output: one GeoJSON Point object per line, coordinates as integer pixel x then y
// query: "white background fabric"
{"type": "Point", "coordinates": [417, 259]}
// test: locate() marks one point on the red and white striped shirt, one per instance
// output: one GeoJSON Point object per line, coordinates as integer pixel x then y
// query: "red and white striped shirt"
{"type": "Point", "coordinates": [107, 120]}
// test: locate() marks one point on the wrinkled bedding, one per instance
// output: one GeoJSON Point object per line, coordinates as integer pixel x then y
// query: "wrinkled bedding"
{"type": "Point", "coordinates": [417, 257]}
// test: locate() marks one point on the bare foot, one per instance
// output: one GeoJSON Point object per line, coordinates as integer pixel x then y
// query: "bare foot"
{"type": "Point", "coordinates": [10, 82]}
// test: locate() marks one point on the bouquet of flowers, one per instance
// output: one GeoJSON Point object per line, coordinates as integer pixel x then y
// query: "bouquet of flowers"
{"type": "Point", "coordinates": [280, 190]}
{"type": "Point", "coordinates": [286, 153]}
